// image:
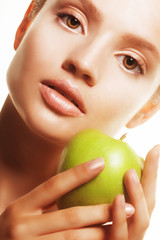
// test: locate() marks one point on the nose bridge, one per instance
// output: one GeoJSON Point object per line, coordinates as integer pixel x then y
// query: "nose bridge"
{"type": "Point", "coordinates": [85, 59]}
{"type": "Point", "coordinates": [90, 52]}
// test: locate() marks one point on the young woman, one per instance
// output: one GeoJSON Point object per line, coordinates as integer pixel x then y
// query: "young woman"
{"type": "Point", "coordinates": [78, 64]}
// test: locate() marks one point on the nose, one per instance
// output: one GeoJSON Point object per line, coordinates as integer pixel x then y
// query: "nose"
{"type": "Point", "coordinates": [83, 62]}
{"type": "Point", "coordinates": [80, 69]}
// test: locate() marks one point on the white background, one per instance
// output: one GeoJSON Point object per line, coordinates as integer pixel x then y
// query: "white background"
{"type": "Point", "coordinates": [141, 139]}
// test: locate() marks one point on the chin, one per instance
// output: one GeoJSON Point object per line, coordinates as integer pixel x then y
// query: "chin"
{"type": "Point", "coordinates": [55, 132]}
{"type": "Point", "coordinates": [50, 135]}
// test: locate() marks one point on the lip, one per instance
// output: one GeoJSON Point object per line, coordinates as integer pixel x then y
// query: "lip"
{"type": "Point", "coordinates": [62, 97]}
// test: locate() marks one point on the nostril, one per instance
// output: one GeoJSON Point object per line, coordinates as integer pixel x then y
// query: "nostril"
{"type": "Point", "coordinates": [86, 77]}
{"type": "Point", "coordinates": [72, 68]}
{"type": "Point", "coordinates": [80, 71]}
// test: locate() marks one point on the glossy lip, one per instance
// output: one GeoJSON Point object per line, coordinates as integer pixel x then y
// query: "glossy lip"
{"type": "Point", "coordinates": [62, 97]}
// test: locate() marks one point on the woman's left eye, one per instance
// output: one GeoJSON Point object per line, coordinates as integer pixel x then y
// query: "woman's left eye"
{"type": "Point", "coordinates": [131, 64]}
{"type": "Point", "coordinates": [71, 22]}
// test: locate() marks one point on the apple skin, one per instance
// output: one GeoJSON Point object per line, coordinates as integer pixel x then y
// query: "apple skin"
{"type": "Point", "coordinates": [118, 156]}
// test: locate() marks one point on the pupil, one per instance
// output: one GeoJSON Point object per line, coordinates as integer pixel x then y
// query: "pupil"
{"type": "Point", "coordinates": [130, 61]}
{"type": "Point", "coordinates": [74, 21]}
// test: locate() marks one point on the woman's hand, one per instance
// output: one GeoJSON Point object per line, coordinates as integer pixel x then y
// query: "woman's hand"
{"type": "Point", "coordinates": [142, 196]}
{"type": "Point", "coordinates": [27, 218]}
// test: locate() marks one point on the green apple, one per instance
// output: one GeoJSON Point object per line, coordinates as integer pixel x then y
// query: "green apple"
{"type": "Point", "coordinates": [118, 156]}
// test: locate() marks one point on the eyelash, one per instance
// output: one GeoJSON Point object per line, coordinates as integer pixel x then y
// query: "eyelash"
{"type": "Point", "coordinates": [140, 64]}
{"type": "Point", "coordinates": [65, 15]}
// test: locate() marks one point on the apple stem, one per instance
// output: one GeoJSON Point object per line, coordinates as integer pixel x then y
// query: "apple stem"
{"type": "Point", "coordinates": [123, 137]}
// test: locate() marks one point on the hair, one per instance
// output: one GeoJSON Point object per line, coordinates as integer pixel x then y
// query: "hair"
{"type": "Point", "coordinates": [33, 9]}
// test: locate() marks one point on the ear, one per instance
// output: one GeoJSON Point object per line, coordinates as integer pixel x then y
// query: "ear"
{"type": "Point", "coordinates": [148, 110]}
{"type": "Point", "coordinates": [24, 25]}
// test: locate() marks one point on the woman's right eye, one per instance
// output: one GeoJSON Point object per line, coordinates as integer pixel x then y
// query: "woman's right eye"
{"type": "Point", "coordinates": [71, 22]}
{"type": "Point", "coordinates": [134, 65]}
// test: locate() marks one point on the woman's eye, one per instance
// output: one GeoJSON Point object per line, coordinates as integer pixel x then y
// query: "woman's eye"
{"type": "Point", "coordinates": [131, 64]}
{"type": "Point", "coordinates": [71, 22]}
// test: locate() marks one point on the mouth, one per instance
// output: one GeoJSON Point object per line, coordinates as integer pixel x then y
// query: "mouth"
{"type": "Point", "coordinates": [62, 97]}
{"type": "Point", "coordinates": [65, 95]}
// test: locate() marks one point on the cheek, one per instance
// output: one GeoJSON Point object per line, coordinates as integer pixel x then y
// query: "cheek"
{"type": "Point", "coordinates": [118, 98]}
{"type": "Point", "coordinates": [46, 46]}
{"type": "Point", "coordinates": [37, 57]}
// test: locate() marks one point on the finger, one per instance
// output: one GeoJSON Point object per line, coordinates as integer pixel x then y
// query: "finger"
{"type": "Point", "coordinates": [94, 233]}
{"type": "Point", "coordinates": [140, 219]}
{"type": "Point", "coordinates": [57, 186]}
{"type": "Point", "coordinates": [71, 218]}
{"type": "Point", "coordinates": [149, 177]}
{"type": "Point", "coordinates": [119, 229]}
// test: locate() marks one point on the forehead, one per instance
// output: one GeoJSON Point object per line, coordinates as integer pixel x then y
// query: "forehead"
{"type": "Point", "coordinates": [138, 17]}
{"type": "Point", "coordinates": [140, 6]}
{"type": "Point", "coordinates": [144, 11]}
{"type": "Point", "coordinates": [126, 17]}
{"type": "Point", "coordinates": [128, 13]}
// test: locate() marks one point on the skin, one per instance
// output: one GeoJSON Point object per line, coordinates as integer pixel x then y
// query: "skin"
{"type": "Point", "coordinates": [33, 135]}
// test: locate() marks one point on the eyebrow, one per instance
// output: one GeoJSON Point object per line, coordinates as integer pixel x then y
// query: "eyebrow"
{"type": "Point", "coordinates": [87, 5]}
{"type": "Point", "coordinates": [141, 43]}
{"type": "Point", "coordinates": [138, 41]}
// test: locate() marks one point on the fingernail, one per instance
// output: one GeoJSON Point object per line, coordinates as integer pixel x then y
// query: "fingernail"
{"type": "Point", "coordinates": [129, 209]}
{"type": "Point", "coordinates": [135, 176]}
{"type": "Point", "coordinates": [96, 164]}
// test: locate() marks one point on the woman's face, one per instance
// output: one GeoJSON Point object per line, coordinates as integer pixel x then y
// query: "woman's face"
{"type": "Point", "coordinates": [86, 64]}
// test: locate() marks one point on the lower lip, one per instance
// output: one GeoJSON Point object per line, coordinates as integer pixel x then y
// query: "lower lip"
{"type": "Point", "coordinates": [58, 102]}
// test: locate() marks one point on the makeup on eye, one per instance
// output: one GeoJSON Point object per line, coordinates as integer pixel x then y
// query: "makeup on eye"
{"type": "Point", "coordinates": [72, 20]}
{"type": "Point", "coordinates": [132, 63]}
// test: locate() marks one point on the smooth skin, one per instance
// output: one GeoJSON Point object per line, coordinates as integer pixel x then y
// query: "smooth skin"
{"type": "Point", "coordinates": [90, 57]}
{"type": "Point", "coordinates": [28, 218]}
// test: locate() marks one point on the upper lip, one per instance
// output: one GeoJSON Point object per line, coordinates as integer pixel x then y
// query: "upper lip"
{"type": "Point", "coordinates": [71, 93]}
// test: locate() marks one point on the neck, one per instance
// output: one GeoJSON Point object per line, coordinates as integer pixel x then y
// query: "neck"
{"type": "Point", "coordinates": [22, 151]}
